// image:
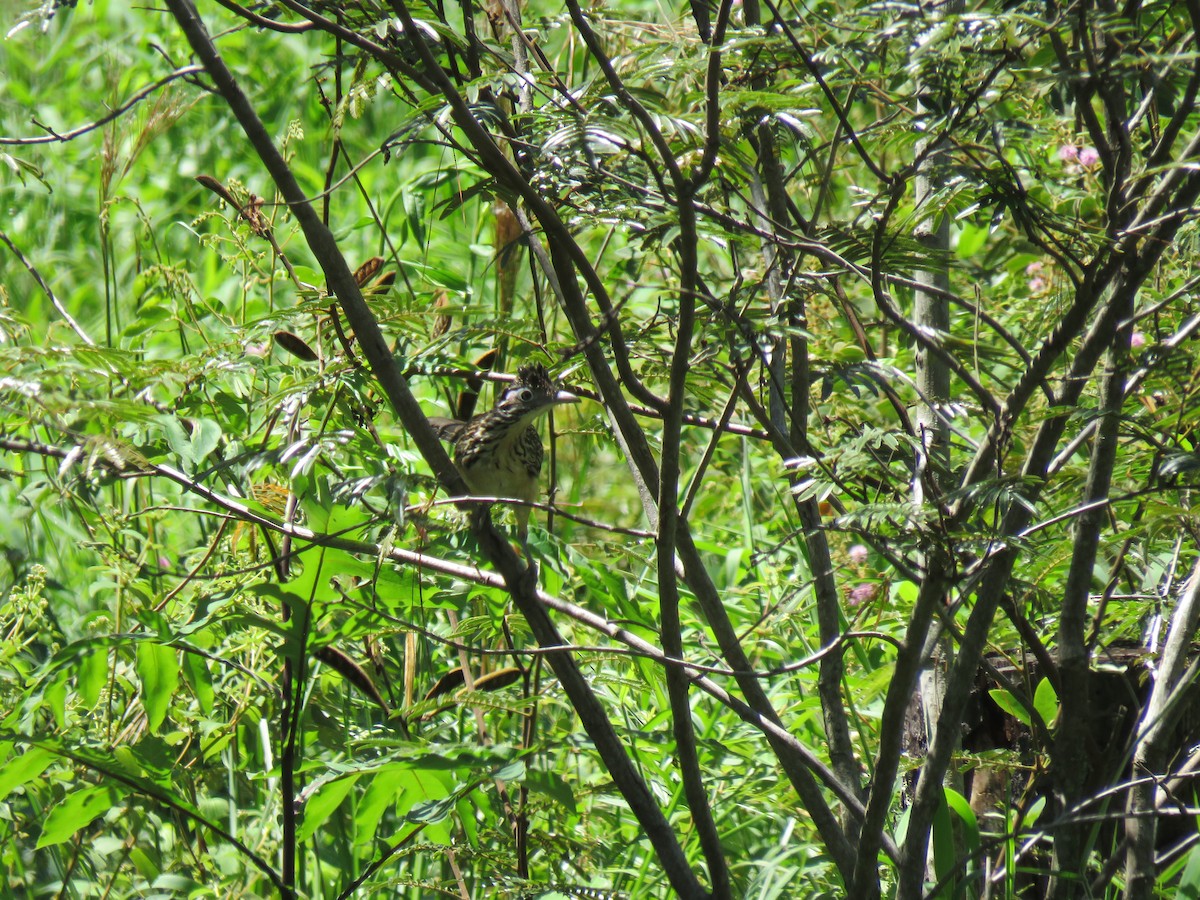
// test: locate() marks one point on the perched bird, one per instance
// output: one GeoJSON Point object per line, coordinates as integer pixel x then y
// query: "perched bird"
{"type": "Point", "coordinates": [499, 453]}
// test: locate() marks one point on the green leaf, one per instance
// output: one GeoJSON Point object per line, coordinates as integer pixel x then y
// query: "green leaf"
{"type": "Point", "coordinates": [1009, 704]}
{"type": "Point", "coordinates": [1034, 812]}
{"type": "Point", "coordinates": [158, 669]}
{"type": "Point", "coordinates": [970, 240]}
{"type": "Point", "coordinates": [513, 771]}
{"type": "Point", "coordinates": [901, 831]}
{"type": "Point", "coordinates": [429, 812]}
{"type": "Point", "coordinates": [55, 695]}
{"type": "Point", "coordinates": [26, 765]}
{"type": "Point", "coordinates": [321, 805]}
{"type": "Point", "coordinates": [380, 794]}
{"type": "Point", "coordinates": [1045, 701]}
{"type": "Point", "coordinates": [295, 630]}
{"type": "Point", "coordinates": [149, 315]}
{"type": "Point", "coordinates": [177, 437]}
{"type": "Point", "coordinates": [143, 863]}
{"type": "Point", "coordinates": [945, 856]}
{"type": "Point", "coordinates": [91, 674]}
{"type": "Point", "coordinates": [77, 810]}
{"type": "Point", "coordinates": [1189, 882]}
{"type": "Point", "coordinates": [961, 807]}
{"type": "Point", "coordinates": [192, 442]}
{"type": "Point", "coordinates": [206, 434]}
{"type": "Point", "coordinates": [195, 670]}
{"type": "Point", "coordinates": [552, 785]}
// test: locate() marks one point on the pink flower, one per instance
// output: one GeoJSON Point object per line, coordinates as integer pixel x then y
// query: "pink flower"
{"type": "Point", "coordinates": [1137, 339]}
{"type": "Point", "coordinates": [1034, 272]}
{"type": "Point", "coordinates": [1068, 153]}
{"type": "Point", "coordinates": [858, 554]}
{"type": "Point", "coordinates": [1088, 157]}
{"type": "Point", "coordinates": [863, 593]}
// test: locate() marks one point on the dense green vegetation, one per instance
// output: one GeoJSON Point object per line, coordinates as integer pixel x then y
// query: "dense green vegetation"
{"type": "Point", "coordinates": [883, 315]}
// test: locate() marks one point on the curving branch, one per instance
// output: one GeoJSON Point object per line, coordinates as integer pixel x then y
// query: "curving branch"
{"type": "Point", "coordinates": [55, 137]}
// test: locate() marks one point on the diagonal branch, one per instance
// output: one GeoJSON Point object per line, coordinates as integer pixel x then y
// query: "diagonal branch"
{"type": "Point", "coordinates": [519, 580]}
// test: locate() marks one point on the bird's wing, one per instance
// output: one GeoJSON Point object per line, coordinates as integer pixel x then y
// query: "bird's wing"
{"type": "Point", "coordinates": [447, 429]}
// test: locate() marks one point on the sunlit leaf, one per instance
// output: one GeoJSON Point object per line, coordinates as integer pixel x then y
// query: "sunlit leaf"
{"type": "Point", "coordinates": [158, 670]}
{"type": "Point", "coordinates": [76, 811]}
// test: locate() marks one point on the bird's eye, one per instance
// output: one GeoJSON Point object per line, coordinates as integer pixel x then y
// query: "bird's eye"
{"type": "Point", "coordinates": [525, 396]}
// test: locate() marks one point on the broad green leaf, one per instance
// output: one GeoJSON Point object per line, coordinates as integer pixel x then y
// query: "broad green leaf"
{"type": "Point", "coordinates": [428, 812]}
{"type": "Point", "coordinates": [961, 807]}
{"type": "Point", "coordinates": [1009, 704]}
{"type": "Point", "coordinates": [513, 771]}
{"type": "Point", "coordinates": [321, 805]}
{"type": "Point", "coordinates": [177, 438]}
{"type": "Point", "coordinates": [1034, 812]}
{"type": "Point", "coordinates": [945, 856]}
{"type": "Point", "coordinates": [1045, 701]}
{"type": "Point", "coordinates": [381, 792]}
{"type": "Point", "coordinates": [970, 240]}
{"type": "Point", "coordinates": [195, 670]}
{"type": "Point", "coordinates": [206, 434]}
{"type": "Point", "coordinates": [55, 696]}
{"type": "Point", "coordinates": [77, 810]}
{"type": "Point", "coordinates": [144, 864]}
{"type": "Point", "coordinates": [466, 812]}
{"type": "Point", "coordinates": [158, 669]}
{"type": "Point", "coordinates": [24, 766]}
{"type": "Point", "coordinates": [91, 675]}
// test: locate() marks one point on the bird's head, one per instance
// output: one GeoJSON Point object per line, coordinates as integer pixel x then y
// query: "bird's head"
{"type": "Point", "coordinates": [532, 394]}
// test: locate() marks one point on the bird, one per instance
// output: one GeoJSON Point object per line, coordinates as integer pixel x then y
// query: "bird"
{"type": "Point", "coordinates": [499, 453]}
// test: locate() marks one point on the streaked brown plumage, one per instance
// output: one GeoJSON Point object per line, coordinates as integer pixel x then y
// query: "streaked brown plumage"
{"type": "Point", "coordinates": [499, 453]}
